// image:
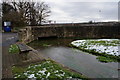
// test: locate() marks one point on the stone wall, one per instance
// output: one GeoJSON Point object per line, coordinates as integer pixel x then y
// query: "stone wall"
{"type": "Point", "coordinates": [25, 35]}
{"type": "Point", "coordinates": [92, 31]}
{"type": "Point", "coordinates": [78, 31]}
{"type": "Point", "coordinates": [84, 31]}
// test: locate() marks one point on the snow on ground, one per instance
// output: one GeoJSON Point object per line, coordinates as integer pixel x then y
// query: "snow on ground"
{"type": "Point", "coordinates": [43, 70]}
{"type": "Point", "coordinates": [108, 46]}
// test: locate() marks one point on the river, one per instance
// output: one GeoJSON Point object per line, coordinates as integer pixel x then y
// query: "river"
{"type": "Point", "coordinates": [87, 64]}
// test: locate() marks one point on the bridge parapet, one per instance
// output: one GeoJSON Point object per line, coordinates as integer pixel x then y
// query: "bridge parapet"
{"type": "Point", "coordinates": [25, 35]}
{"type": "Point", "coordinates": [87, 31]}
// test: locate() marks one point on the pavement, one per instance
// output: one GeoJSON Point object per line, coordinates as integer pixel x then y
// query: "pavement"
{"type": "Point", "coordinates": [9, 60]}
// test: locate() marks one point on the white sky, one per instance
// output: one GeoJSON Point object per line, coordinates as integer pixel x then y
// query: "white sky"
{"type": "Point", "coordinates": [64, 11]}
{"type": "Point", "coordinates": [83, 10]}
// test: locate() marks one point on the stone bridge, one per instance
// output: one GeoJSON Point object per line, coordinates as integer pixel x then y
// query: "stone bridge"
{"type": "Point", "coordinates": [101, 30]}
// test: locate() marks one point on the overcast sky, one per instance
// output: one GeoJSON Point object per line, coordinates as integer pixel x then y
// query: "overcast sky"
{"type": "Point", "coordinates": [83, 11]}
{"type": "Point", "coordinates": [67, 11]}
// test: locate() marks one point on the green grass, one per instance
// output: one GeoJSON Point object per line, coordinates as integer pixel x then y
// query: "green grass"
{"type": "Point", "coordinates": [46, 45]}
{"type": "Point", "coordinates": [55, 71]}
{"type": "Point", "coordinates": [14, 49]}
{"type": "Point", "coordinates": [102, 57]}
{"type": "Point", "coordinates": [106, 59]}
{"type": "Point", "coordinates": [18, 69]}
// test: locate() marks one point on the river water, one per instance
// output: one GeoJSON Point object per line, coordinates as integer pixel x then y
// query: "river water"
{"type": "Point", "coordinates": [87, 64]}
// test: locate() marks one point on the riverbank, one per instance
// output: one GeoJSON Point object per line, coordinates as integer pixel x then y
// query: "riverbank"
{"type": "Point", "coordinates": [58, 50]}
{"type": "Point", "coordinates": [19, 69]}
{"type": "Point", "coordinates": [45, 70]}
{"type": "Point", "coordinates": [105, 49]}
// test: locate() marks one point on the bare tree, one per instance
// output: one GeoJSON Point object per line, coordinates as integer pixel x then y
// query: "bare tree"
{"type": "Point", "coordinates": [0, 10]}
{"type": "Point", "coordinates": [43, 11]}
{"type": "Point", "coordinates": [30, 13]}
{"type": "Point", "coordinates": [0, 16]}
{"type": "Point", "coordinates": [11, 14]}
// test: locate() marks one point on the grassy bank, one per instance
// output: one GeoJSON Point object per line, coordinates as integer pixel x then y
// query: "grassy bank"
{"type": "Point", "coordinates": [14, 49]}
{"type": "Point", "coordinates": [45, 70]}
{"type": "Point", "coordinates": [105, 49]}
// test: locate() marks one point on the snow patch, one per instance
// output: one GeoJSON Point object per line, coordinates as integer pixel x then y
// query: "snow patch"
{"type": "Point", "coordinates": [112, 50]}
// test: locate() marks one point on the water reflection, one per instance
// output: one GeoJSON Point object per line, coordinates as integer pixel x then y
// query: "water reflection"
{"type": "Point", "coordinates": [58, 50]}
